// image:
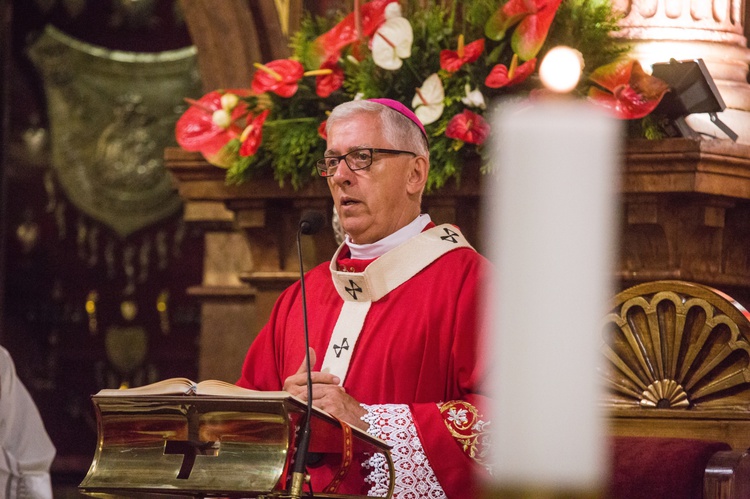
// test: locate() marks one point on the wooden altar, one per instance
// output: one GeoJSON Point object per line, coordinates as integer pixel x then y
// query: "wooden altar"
{"type": "Point", "coordinates": [685, 203]}
{"type": "Point", "coordinates": [685, 215]}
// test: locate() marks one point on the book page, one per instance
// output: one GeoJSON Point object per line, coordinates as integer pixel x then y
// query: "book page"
{"type": "Point", "coordinates": [185, 386]}
{"type": "Point", "coordinates": [215, 387]}
{"type": "Point", "coordinates": [171, 386]}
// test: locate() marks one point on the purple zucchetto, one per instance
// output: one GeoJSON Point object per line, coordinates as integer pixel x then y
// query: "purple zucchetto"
{"type": "Point", "coordinates": [397, 106]}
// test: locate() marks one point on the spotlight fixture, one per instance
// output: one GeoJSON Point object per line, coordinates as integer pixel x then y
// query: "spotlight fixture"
{"type": "Point", "coordinates": [691, 91]}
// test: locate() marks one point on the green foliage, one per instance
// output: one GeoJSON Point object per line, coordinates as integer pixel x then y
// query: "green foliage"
{"type": "Point", "coordinates": [295, 146]}
{"type": "Point", "coordinates": [301, 41]}
{"type": "Point", "coordinates": [239, 170]}
{"type": "Point", "coordinates": [291, 143]}
{"type": "Point", "coordinates": [652, 127]}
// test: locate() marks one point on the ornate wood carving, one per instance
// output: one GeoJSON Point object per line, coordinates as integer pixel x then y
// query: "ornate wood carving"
{"type": "Point", "coordinates": [676, 345]}
{"type": "Point", "coordinates": [677, 363]}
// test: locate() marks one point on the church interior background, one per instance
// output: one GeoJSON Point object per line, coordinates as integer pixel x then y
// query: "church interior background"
{"type": "Point", "coordinates": [94, 272]}
{"type": "Point", "coordinates": [97, 264]}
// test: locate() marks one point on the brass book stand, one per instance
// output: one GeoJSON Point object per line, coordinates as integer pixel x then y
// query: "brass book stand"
{"type": "Point", "coordinates": [157, 446]}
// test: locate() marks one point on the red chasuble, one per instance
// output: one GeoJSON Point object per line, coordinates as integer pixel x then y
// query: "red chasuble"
{"type": "Point", "coordinates": [418, 346]}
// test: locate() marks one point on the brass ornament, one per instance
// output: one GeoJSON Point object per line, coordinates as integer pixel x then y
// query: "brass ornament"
{"type": "Point", "coordinates": [162, 307]}
{"type": "Point", "coordinates": [91, 305]}
{"type": "Point", "coordinates": [129, 310]}
{"type": "Point", "coordinates": [126, 348]}
{"type": "Point", "coordinates": [664, 393]}
{"type": "Point", "coordinates": [27, 235]}
{"type": "Point", "coordinates": [283, 8]}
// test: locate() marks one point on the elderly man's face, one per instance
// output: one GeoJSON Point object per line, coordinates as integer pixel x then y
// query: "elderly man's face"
{"type": "Point", "coordinates": [371, 203]}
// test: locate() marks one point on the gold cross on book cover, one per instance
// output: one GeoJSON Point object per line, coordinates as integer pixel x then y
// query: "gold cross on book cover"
{"type": "Point", "coordinates": [178, 438]}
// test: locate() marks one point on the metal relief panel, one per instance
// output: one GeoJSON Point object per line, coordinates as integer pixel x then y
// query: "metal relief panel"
{"type": "Point", "coordinates": [111, 115]}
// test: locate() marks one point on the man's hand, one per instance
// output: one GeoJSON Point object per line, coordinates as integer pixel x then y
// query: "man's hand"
{"type": "Point", "coordinates": [327, 393]}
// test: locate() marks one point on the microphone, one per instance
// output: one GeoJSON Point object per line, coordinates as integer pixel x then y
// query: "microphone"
{"type": "Point", "coordinates": [310, 223]}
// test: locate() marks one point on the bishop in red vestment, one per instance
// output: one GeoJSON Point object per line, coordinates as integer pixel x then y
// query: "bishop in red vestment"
{"type": "Point", "coordinates": [394, 326]}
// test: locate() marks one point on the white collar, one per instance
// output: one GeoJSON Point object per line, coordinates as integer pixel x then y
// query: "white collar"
{"type": "Point", "coordinates": [380, 248]}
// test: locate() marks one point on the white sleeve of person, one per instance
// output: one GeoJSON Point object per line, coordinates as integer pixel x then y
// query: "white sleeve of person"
{"type": "Point", "coordinates": [26, 451]}
{"type": "Point", "coordinates": [393, 424]}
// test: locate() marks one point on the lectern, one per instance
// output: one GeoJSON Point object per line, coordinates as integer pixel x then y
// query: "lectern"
{"type": "Point", "coordinates": [156, 446]}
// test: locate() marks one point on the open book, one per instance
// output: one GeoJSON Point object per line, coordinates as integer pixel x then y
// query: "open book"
{"type": "Point", "coordinates": [215, 388]}
{"type": "Point", "coordinates": [184, 386]}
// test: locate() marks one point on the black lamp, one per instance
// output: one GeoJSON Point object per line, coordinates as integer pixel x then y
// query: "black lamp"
{"type": "Point", "coordinates": [691, 91]}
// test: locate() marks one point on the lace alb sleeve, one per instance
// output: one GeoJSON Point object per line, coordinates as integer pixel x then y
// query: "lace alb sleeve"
{"type": "Point", "coordinates": [415, 478]}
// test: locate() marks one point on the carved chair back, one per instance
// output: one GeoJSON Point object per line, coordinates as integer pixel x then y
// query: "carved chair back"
{"type": "Point", "coordinates": [677, 363]}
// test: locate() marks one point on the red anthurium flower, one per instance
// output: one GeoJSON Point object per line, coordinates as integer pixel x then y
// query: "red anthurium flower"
{"type": "Point", "coordinates": [469, 127]}
{"type": "Point", "coordinates": [326, 84]}
{"type": "Point", "coordinates": [531, 32]}
{"type": "Point", "coordinates": [322, 130]}
{"type": "Point", "coordinates": [280, 77]}
{"type": "Point", "coordinates": [252, 136]}
{"type": "Point", "coordinates": [453, 60]}
{"type": "Point", "coordinates": [211, 122]}
{"type": "Point", "coordinates": [631, 93]}
{"type": "Point", "coordinates": [330, 44]}
{"type": "Point", "coordinates": [502, 76]}
{"type": "Point", "coordinates": [534, 18]}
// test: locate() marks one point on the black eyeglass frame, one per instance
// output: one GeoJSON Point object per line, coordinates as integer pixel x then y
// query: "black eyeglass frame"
{"type": "Point", "coordinates": [323, 169]}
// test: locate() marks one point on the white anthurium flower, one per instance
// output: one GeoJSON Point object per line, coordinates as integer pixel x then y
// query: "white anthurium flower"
{"type": "Point", "coordinates": [391, 43]}
{"type": "Point", "coordinates": [474, 98]}
{"type": "Point", "coordinates": [222, 118]}
{"type": "Point", "coordinates": [229, 101]}
{"type": "Point", "coordinates": [428, 102]}
{"type": "Point", "coordinates": [392, 10]}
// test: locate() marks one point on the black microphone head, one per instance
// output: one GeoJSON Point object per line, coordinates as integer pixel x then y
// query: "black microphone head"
{"type": "Point", "coordinates": [311, 222]}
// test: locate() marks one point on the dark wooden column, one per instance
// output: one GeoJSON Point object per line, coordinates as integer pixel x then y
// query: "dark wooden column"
{"type": "Point", "coordinates": [231, 35]}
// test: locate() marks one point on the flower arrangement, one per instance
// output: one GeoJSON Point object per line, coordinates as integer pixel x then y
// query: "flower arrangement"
{"type": "Point", "coordinates": [446, 60]}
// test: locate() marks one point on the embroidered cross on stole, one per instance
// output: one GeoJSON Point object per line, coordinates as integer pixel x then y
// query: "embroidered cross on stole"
{"type": "Point", "coordinates": [360, 289]}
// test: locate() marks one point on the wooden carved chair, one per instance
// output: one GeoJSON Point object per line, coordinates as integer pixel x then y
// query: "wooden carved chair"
{"type": "Point", "coordinates": [677, 372]}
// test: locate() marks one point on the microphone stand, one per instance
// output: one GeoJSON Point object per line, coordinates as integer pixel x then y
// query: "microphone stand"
{"type": "Point", "coordinates": [310, 223]}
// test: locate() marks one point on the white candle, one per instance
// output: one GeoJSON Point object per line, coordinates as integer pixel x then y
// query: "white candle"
{"type": "Point", "coordinates": [551, 211]}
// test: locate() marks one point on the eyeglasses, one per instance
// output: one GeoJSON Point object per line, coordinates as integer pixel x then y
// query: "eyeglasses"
{"type": "Point", "coordinates": [358, 159]}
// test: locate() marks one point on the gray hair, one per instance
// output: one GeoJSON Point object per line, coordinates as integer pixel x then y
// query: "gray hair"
{"type": "Point", "coordinates": [398, 130]}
